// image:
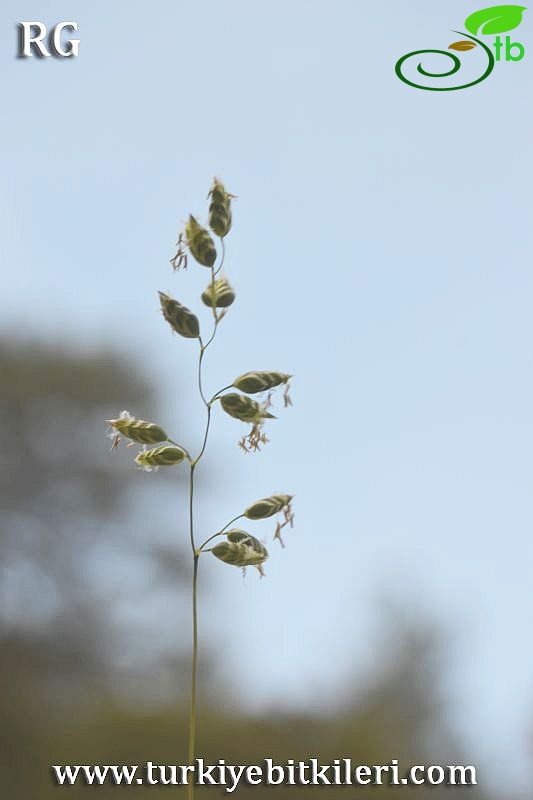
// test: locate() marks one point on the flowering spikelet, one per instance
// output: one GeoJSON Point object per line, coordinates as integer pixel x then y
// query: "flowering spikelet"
{"type": "Point", "coordinates": [254, 382]}
{"type": "Point", "coordinates": [137, 429]}
{"type": "Point", "coordinates": [268, 506]}
{"type": "Point", "coordinates": [218, 294]}
{"type": "Point", "coordinates": [200, 243]}
{"type": "Point", "coordinates": [244, 408]}
{"type": "Point", "coordinates": [165, 456]}
{"type": "Point", "coordinates": [179, 317]}
{"type": "Point", "coordinates": [219, 209]}
{"type": "Point", "coordinates": [241, 550]}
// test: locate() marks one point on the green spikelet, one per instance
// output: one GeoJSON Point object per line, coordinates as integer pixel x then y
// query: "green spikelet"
{"type": "Point", "coordinates": [241, 550]}
{"type": "Point", "coordinates": [268, 506]}
{"type": "Point", "coordinates": [222, 293]}
{"type": "Point", "coordinates": [137, 429]}
{"type": "Point", "coordinates": [200, 243]}
{"type": "Point", "coordinates": [244, 408]}
{"type": "Point", "coordinates": [179, 318]}
{"type": "Point", "coordinates": [166, 456]}
{"type": "Point", "coordinates": [219, 209]}
{"type": "Point", "coordinates": [254, 382]}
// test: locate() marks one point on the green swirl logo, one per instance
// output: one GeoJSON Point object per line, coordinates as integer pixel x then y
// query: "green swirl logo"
{"type": "Point", "coordinates": [493, 20]}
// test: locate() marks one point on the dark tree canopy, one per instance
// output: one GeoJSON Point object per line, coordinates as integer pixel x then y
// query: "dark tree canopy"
{"type": "Point", "coordinates": [71, 543]}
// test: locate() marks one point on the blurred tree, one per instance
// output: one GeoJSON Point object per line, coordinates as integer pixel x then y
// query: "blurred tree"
{"type": "Point", "coordinates": [395, 713]}
{"type": "Point", "coordinates": [74, 554]}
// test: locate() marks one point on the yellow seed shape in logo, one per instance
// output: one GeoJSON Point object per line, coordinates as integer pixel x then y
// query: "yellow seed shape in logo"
{"type": "Point", "coordinates": [463, 45]}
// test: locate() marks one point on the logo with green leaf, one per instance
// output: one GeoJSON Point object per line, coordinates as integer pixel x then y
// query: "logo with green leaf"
{"type": "Point", "coordinates": [487, 22]}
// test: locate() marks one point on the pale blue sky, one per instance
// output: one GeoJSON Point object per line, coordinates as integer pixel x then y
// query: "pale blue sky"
{"type": "Point", "coordinates": [381, 253]}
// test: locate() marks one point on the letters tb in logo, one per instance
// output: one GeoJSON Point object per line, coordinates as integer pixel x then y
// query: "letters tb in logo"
{"type": "Point", "coordinates": [33, 40]}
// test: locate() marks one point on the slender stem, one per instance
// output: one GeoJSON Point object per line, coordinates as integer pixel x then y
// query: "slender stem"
{"type": "Point", "coordinates": [206, 434]}
{"type": "Point", "coordinates": [217, 394]}
{"type": "Point", "coordinates": [223, 250]}
{"type": "Point", "coordinates": [221, 531]}
{"type": "Point", "coordinates": [206, 345]}
{"type": "Point", "coordinates": [191, 507]}
{"type": "Point", "coordinates": [195, 551]}
{"type": "Point", "coordinates": [203, 348]}
{"type": "Point", "coordinates": [192, 720]}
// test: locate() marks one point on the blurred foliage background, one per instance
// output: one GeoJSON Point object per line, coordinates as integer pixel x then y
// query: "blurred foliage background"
{"type": "Point", "coordinates": [94, 591]}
